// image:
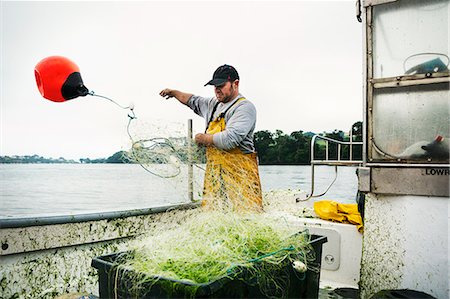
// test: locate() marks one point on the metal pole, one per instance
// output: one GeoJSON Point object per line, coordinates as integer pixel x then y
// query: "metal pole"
{"type": "Point", "coordinates": [190, 164]}
{"type": "Point", "coordinates": [351, 144]}
{"type": "Point", "coordinates": [339, 152]}
{"type": "Point", "coordinates": [308, 196]}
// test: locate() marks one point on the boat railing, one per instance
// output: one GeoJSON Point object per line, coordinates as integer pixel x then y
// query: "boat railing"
{"type": "Point", "coordinates": [337, 160]}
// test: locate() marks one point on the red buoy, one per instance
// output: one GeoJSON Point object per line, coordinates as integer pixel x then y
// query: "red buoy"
{"type": "Point", "coordinates": [58, 79]}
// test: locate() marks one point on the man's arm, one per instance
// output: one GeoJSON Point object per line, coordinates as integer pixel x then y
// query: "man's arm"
{"type": "Point", "coordinates": [241, 122]}
{"type": "Point", "coordinates": [182, 97]}
{"type": "Point", "coordinates": [198, 104]}
{"type": "Point", "coordinates": [205, 139]}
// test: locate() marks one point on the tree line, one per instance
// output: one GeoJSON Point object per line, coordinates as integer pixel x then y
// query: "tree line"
{"type": "Point", "coordinates": [33, 159]}
{"type": "Point", "coordinates": [278, 148]}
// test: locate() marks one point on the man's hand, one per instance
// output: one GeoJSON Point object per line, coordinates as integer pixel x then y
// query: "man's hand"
{"type": "Point", "coordinates": [205, 139]}
{"type": "Point", "coordinates": [166, 93]}
{"type": "Point", "coordinates": [182, 97]}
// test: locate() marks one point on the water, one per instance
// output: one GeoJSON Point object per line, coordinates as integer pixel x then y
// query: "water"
{"type": "Point", "coordinates": [29, 190]}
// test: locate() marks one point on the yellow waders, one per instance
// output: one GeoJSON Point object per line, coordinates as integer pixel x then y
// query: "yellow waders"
{"type": "Point", "coordinates": [231, 178]}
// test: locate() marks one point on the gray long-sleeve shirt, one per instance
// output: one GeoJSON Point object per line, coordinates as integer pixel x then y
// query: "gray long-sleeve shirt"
{"type": "Point", "coordinates": [240, 121]}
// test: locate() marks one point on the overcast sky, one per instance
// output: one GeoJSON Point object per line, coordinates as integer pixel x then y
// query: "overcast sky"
{"type": "Point", "coordinates": [300, 63]}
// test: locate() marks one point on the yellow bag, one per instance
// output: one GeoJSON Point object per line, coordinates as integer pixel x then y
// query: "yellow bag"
{"type": "Point", "coordinates": [339, 212]}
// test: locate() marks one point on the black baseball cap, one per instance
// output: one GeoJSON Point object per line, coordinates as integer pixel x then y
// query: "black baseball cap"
{"type": "Point", "coordinates": [223, 74]}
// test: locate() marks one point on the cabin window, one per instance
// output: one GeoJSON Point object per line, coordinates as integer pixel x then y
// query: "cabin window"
{"type": "Point", "coordinates": [412, 123]}
{"type": "Point", "coordinates": [410, 37]}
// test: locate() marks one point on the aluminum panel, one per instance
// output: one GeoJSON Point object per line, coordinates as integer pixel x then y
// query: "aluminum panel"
{"type": "Point", "coordinates": [411, 181]}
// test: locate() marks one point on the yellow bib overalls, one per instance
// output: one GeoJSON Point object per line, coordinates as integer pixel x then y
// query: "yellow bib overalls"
{"type": "Point", "coordinates": [231, 178]}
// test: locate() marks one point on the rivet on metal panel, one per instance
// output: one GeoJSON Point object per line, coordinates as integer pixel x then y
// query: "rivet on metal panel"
{"type": "Point", "coordinates": [329, 259]}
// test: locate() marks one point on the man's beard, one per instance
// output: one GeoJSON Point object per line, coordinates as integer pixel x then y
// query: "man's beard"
{"type": "Point", "coordinates": [226, 99]}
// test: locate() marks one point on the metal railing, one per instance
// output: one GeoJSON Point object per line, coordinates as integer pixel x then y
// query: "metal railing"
{"type": "Point", "coordinates": [77, 218]}
{"type": "Point", "coordinates": [327, 161]}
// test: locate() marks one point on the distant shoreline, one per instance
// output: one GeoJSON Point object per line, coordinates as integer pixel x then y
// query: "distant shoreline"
{"type": "Point", "coordinates": [21, 160]}
{"type": "Point", "coordinates": [34, 159]}
{"type": "Point", "coordinates": [119, 157]}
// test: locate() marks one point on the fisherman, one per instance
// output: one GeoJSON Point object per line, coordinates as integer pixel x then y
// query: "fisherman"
{"type": "Point", "coordinates": [231, 177]}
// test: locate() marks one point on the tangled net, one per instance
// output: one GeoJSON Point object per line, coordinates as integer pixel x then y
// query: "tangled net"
{"type": "Point", "coordinates": [231, 178]}
{"type": "Point", "coordinates": [164, 151]}
{"type": "Point", "coordinates": [211, 246]}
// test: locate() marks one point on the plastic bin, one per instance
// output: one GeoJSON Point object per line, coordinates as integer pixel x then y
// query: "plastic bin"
{"type": "Point", "coordinates": [115, 283]}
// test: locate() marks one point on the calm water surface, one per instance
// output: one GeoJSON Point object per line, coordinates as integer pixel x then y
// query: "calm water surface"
{"type": "Point", "coordinates": [28, 190]}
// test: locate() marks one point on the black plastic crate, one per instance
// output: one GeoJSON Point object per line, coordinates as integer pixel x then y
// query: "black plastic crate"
{"type": "Point", "coordinates": [115, 283]}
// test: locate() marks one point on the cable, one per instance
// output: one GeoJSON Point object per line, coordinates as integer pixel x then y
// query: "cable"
{"type": "Point", "coordinates": [319, 195]}
{"type": "Point", "coordinates": [157, 142]}
{"type": "Point", "coordinates": [92, 93]}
